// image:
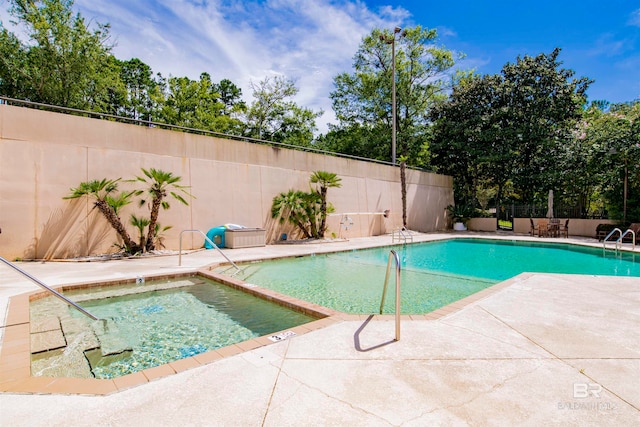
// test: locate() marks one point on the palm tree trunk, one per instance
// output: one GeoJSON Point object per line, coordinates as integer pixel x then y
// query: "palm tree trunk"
{"type": "Point", "coordinates": [116, 223]}
{"type": "Point", "coordinates": [153, 219]}
{"type": "Point", "coordinates": [323, 212]}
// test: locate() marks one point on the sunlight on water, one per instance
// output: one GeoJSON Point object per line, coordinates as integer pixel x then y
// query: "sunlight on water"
{"type": "Point", "coordinates": [434, 274]}
{"type": "Point", "coordinates": [148, 329]}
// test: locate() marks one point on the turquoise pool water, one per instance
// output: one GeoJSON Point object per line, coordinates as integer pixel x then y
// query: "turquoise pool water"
{"type": "Point", "coordinates": [434, 274]}
{"type": "Point", "coordinates": [147, 329]}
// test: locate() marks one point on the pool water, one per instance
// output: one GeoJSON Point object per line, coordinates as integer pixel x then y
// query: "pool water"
{"type": "Point", "coordinates": [148, 329]}
{"type": "Point", "coordinates": [434, 274]}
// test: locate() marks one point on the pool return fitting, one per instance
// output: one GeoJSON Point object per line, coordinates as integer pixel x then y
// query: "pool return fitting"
{"type": "Point", "coordinates": [51, 290]}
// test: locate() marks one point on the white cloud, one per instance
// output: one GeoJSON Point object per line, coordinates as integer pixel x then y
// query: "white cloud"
{"type": "Point", "coordinates": [309, 41]}
{"type": "Point", "coordinates": [635, 18]}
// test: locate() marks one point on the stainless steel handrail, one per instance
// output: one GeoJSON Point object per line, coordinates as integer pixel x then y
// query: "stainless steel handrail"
{"type": "Point", "coordinates": [401, 235]}
{"type": "Point", "coordinates": [210, 242]}
{"type": "Point", "coordinates": [604, 242]}
{"type": "Point", "coordinates": [393, 255]}
{"type": "Point", "coordinates": [633, 235]}
{"type": "Point", "coordinates": [53, 291]}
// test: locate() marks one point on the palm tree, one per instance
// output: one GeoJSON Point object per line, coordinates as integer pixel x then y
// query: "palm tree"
{"type": "Point", "coordinates": [108, 205]}
{"type": "Point", "coordinates": [159, 184]}
{"type": "Point", "coordinates": [140, 223]}
{"type": "Point", "coordinates": [291, 207]}
{"type": "Point", "coordinates": [325, 180]}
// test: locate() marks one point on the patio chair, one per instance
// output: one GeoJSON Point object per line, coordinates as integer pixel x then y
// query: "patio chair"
{"type": "Point", "coordinates": [635, 227]}
{"type": "Point", "coordinates": [564, 229]}
{"type": "Point", "coordinates": [534, 229]}
{"type": "Point", "coordinates": [543, 228]}
{"type": "Point", "coordinates": [554, 227]}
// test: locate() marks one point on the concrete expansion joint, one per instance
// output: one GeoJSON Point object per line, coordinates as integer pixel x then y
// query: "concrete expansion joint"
{"type": "Point", "coordinates": [604, 387]}
{"type": "Point", "coordinates": [480, 394]}
{"type": "Point", "coordinates": [300, 386]}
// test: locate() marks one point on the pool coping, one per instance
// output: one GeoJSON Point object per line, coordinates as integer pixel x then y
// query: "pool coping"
{"type": "Point", "coordinates": [15, 351]}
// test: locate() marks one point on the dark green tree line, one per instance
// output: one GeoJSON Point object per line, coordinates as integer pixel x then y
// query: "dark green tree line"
{"type": "Point", "coordinates": [68, 63]}
{"type": "Point", "coordinates": [511, 127]}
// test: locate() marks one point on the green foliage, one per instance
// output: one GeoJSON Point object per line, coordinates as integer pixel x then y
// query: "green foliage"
{"type": "Point", "coordinates": [324, 181]}
{"type": "Point", "coordinates": [199, 104]}
{"type": "Point", "coordinates": [307, 210]}
{"type": "Point", "coordinates": [102, 192]}
{"type": "Point", "coordinates": [65, 63]}
{"type": "Point", "coordinates": [508, 128]}
{"type": "Point", "coordinates": [273, 116]}
{"type": "Point", "coordinates": [461, 213]}
{"type": "Point", "coordinates": [107, 199]}
{"type": "Point", "coordinates": [159, 184]}
{"type": "Point", "coordinates": [610, 142]}
{"type": "Point", "coordinates": [362, 100]}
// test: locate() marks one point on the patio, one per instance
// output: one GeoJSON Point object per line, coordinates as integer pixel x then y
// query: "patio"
{"type": "Point", "coordinates": [534, 350]}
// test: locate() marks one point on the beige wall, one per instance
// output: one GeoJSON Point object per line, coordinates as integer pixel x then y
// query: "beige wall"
{"type": "Point", "coordinates": [44, 154]}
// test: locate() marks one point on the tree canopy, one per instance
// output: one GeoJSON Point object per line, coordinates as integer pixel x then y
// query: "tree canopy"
{"type": "Point", "coordinates": [362, 100]}
{"type": "Point", "coordinates": [63, 63]}
{"type": "Point", "coordinates": [509, 127]}
{"type": "Point", "coordinates": [68, 63]}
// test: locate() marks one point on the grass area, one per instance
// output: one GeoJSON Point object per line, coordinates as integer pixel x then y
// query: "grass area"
{"type": "Point", "coordinates": [505, 224]}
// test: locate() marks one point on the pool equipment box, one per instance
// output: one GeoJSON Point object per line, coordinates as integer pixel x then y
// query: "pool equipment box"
{"type": "Point", "coordinates": [244, 238]}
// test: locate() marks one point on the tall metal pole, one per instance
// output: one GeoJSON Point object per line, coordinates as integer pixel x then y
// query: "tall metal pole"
{"type": "Point", "coordinates": [393, 98]}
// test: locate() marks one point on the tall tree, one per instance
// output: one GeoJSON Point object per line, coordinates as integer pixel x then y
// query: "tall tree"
{"type": "Point", "coordinates": [199, 104]}
{"type": "Point", "coordinates": [140, 84]}
{"type": "Point", "coordinates": [274, 116]}
{"type": "Point", "coordinates": [422, 72]}
{"type": "Point", "coordinates": [363, 99]}
{"type": "Point", "coordinates": [613, 140]}
{"type": "Point", "coordinates": [64, 63]}
{"type": "Point", "coordinates": [511, 127]}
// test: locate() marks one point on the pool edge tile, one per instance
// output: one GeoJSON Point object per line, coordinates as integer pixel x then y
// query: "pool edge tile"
{"type": "Point", "coordinates": [182, 365]}
{"type": "Point", "coordinates": [132, 380]}
{"type": "Point", "coordinates": [158, 372]}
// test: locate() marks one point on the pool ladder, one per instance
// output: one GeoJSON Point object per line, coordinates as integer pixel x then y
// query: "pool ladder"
{"type": "Point", "coordinates": [402, 235]}
{"type": "Point", "coordinates": [393, 256]}
{"type": "Point", "coordinates": [622, 235]}
{"type": "Point", "coordinates": [51, 290]}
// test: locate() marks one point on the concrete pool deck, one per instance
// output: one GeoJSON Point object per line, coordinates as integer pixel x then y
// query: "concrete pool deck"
{"type": "Point", "coordinates": [539, 349]}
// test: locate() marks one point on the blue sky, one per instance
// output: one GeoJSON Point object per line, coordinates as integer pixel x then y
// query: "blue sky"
{"type": "Point", "coordinates": [311, 41]}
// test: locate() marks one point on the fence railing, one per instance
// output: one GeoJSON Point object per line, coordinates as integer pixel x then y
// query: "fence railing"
{"type": "Point", "coordinates": [559, 211]}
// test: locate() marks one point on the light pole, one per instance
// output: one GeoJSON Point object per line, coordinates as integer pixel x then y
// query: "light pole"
{"type": "Point", "coordinates": [392, 41]}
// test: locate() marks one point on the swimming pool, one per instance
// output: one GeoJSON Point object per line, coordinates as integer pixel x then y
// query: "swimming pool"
{"type": "Point", "coordinates": [434, 274]}
{"type": "Point", "coordinates": [152, 324]}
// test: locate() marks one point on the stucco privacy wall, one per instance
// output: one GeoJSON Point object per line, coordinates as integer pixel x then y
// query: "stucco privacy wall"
{"type": "Point", "coordinates": [44, 154]}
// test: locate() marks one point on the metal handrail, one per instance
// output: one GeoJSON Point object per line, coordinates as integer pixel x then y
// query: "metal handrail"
{"type": "Point", "coordinates": [604, 242]}
{"type": "Point", "coordinates": [633, 235]}
{"type": "Point", "coordinates": [393, 255]}
{"type": "Point", "coordinates": [401, 235]}
{"type": "Point", "coordinates": [53, 291]}
{"type": "Point", "coordinates": [210, 242]}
